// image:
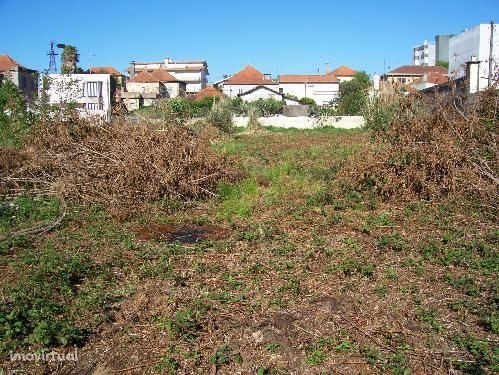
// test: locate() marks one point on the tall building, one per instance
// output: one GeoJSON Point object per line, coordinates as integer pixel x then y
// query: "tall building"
{"type": "Point", "coordinates": [442, 47]}
{"type": "Point", "coordinates": [424, 55]}
{"type": "Point", "coordinates": [474, 45]}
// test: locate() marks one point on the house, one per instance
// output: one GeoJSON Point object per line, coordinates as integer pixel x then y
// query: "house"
{"type": "Point", "coordinates": [473, 46]}
{"type": "Point", "coordinates": [429, 80]}
{"type": "Point", "coordinates": [90, 92]}
{"type": "Point", "coordinates": [118, 80]}
{"type": "Point", "coordinates": [407, 74]}
{"type": "Point", "coordinates": [424, 55]}
{"type": "Point", "coordinates": [151, 86]}
{"type": "Point", "coordinates": [322, 88]}
{"type": "Point", "coordinates": [208, 92]}
{"type": "Point", "coordinates": [251, 84]}
{"type": "Point", "coordinates": [247, 79]}
{"type": "Point", "coordinates": [25, 79]}
{"type": "Point", "coordinates": [265, 92]}
{"type": "Point", "coordinates": [158, 81]}
{"type": "Point", "coordinates": [193, 72]}
{"type": "Point", "coordinates": [343, 73]}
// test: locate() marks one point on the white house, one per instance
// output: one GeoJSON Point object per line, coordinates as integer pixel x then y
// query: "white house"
{"type": "Point", "coordinates": [193, 72]}
{"type": "Point", "coordinates": [90, 92]}
{"type": "Point", "coordinates": [265, 92]}
{"type": "Point", "coordinates": [322, 88]}
{"type": "Point", "coordinates": [246, 80]}
{"type": "Point", "coordinates": [343, 73]}
{"type": "Point", "coordinates": [474, 42]}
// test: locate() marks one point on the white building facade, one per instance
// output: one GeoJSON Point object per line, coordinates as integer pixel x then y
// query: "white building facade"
{"type": "Point", "coordinates": [323, 89]}
{"type": "Point", "coordinates": [193, 72]}
{"type": "Point", "coordinates": [90, 92]}
{"type": "Point", "coordinates": [474, 45]}
{"type": "Point", "coordinates": [424, 55]}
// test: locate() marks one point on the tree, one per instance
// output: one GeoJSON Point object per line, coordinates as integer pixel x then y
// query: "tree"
{"type": "Point", "coordinates": [14, 119]}
{"type": "Point", "coordinates": [69, 58]}
{"type": "Point", "coordinates": [445, 64]}
{"type": "Point", "coordinates": [353, 94]}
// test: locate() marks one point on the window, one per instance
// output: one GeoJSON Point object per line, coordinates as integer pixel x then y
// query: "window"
{"type": "Point", "coordinates": [94, 106]}
{"type": "Point", "coordinates": [281, 90]}
{"type": "Point", "coordinates": [92, 89]}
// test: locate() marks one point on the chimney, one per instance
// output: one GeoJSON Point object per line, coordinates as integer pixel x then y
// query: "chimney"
{"type": "Point", "coordinates": [132, 69]}
{"type": "Point", "coordinates": [328, 68]}
{"type": "Point", "coordinates": [473, 75]}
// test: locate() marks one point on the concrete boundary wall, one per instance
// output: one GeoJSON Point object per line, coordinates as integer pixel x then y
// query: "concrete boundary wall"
{"type": "Point", "coordinates": [301, 122]}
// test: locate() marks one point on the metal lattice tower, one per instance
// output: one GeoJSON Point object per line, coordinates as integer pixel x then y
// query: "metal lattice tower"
{"type": "Point", "coordinates": [52, 65]}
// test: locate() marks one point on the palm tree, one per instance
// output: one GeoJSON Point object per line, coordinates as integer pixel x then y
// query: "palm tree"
{"type": "Point", "coordinates": [69, 58]}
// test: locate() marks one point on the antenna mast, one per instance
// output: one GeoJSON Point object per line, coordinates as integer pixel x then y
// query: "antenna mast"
{"type": "Point", "coordinates": [52, 64]}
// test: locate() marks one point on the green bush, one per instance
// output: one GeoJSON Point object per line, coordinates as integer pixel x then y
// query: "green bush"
{"type": "Point", "coordinates": [14, 117]}
{"type": "Point", "coordinates": [220, 116]}
{"type": "Point", "coordinates": [353, 95]}
{"type": "Point", "coordinates": [201, 108]}
{"type": "Point", "coordinates": [269, 106]}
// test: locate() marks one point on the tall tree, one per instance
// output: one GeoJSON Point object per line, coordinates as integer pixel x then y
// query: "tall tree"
{"type": "Point", "coordinates": [69, 58]}
{"type": "Point", "coordinates": [353, 94]}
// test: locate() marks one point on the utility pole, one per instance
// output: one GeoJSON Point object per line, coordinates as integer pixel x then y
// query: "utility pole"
{"type": "Point", "coordinates": [491, 54]}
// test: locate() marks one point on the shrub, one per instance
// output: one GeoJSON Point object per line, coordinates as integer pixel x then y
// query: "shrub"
{"type": "Point", "coordinates": [117, 165]}
{"type": "Point", "coordinates": [201, 108]}
{"type": "Point", "coordinates": [353, 95]}
{"type": "Point", "coordinates": [308, 101]}
{"type": "Point", "coordinates": [433, 148]}
{"type": "Point", "coordinates": [220, 116]}
{"type": "Point", "coordinates": [14, 118]}
{"type": "Point", "coordinates": [269, 106]}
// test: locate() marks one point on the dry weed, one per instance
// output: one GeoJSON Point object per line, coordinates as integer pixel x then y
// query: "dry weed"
{"type": "Point", "coordinates": [118, 166]}
{"type": "Point", "coordinates": [435, 147]}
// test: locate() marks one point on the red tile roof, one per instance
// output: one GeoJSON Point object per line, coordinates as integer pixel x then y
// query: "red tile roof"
{"type": "Point", "coordinates": [158, 75]}
{"type": "Point", "coordinates": [208, 92]}
{"type": "Point", "coordinates": [249, 76]}
{"type": "Point", "coordinates": [343, 71]}
{"type": "Point", "coordinates": [417, 70]}
{"type": "Point", "coordinates": [312, 78]}
{"type": "Point", "coordinates": [105, 70]}
{"type": "Point", "coordinates": [7, 63]}
{"type": "Point", "coordinates": [433, 77]}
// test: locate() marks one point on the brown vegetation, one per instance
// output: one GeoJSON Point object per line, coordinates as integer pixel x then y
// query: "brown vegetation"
{"type": "Point", "coordinates": [117, 166]}
{"type": "Point", "coordinates": [433, 148]}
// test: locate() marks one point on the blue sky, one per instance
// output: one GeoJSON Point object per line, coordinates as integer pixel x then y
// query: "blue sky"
{"type": "Point", "coordinates": [277, 37]}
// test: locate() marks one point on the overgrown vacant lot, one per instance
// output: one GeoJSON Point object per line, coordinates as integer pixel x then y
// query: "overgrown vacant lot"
{"type": "Point", "coordinates": [302, 275]}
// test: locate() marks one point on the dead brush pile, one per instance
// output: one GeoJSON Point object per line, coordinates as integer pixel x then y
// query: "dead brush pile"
{"type": "Point", "coordinates": [118, 166]}
{"type": "Point", "coordinates": [434, 147]}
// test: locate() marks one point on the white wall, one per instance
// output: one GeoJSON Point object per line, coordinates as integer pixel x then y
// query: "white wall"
{"type": "Point", "coordinates": [340, 122]}
{"type": "Point", "coordinates": [145, 87]}
{"type": "Point", "coordinates": [232, 90]}
{"type": "Point", "coordinates": [344, 78]}
{"type": "Point", "coordinates": [68, 88]}
{"type": "Point", "coordinates": [322, 93]}
{"type": "Point", "coordinates": [260, 93]}
{"type": "Point", "coordinates": [474, 41]}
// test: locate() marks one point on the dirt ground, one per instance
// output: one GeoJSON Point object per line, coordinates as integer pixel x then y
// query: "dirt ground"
{"type": "Point", "coordinates": [288, 271]}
